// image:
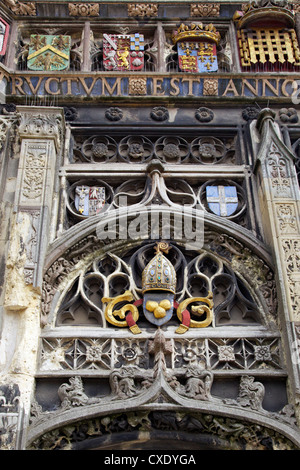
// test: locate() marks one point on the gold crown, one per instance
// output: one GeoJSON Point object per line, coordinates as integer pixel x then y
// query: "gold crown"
{"type": "Point", "coordinates": [196, 31]}
{"type": "Point", "coordinates": [159, 274]}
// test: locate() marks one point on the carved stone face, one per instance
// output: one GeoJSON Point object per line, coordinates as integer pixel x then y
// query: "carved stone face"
{"type": "Point", "coordinates": [207, 150]}
{"type": "Point", "coordinates": [136, 150]}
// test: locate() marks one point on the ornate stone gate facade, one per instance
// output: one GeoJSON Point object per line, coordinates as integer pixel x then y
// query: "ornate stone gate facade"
{"type": "Point", "coordinates": [150, 228]}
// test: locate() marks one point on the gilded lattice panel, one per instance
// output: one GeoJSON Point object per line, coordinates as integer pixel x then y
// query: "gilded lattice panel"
{"type": "Point", "coordinates": [268, 46]}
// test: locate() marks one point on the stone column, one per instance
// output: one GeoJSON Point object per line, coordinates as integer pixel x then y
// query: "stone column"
{"type": "Point", "coordinates": [41, 136]}
{"type": "Point", "coordinates": [280, 209]}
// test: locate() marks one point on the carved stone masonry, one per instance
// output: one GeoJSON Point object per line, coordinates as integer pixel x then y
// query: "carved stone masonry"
{"type": "Point", "coordinates": [278, 172]}
{"type": "Point", "coordinates": [35, 125]}
{"type": "Point", "coordinates": [286, 218]}
{"type": "Point", "coordinates": [21, 8]}
{"type": "Point", "coordinates": [5, 125]}
{"type": "Point", "coordinates": [281, 211]}
{"type": "Point", "coordinates": [32, 247]}
{"type": "Point", "coordinates": [11, 416]}
{"type": "Point", "coordinates": [205, 9]}
{"type": "Point", "coordinates": [41, 136]}
{"type": "Point", "coordinates": [282, 198]}
{"type": "Point", "coordinates": [34, 172]}
{"type": "Point", "coordinates": [83, 9]}
{"type": "Point", "coordinates": [142, 9]}
{"type": "Point", "coordinates": [210, 87]}
{"type": "Point", "coordinates": [291, 249]}
{"type": "Point", "coordinates": [238, 433]}
{"type": "Point", "coordinates": [137, 86]}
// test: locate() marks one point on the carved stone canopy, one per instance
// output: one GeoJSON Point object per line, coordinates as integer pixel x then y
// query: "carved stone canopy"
{"type": "Point", "coordinates": [265, 11]}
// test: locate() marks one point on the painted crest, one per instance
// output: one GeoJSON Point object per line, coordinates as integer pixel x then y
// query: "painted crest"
{"type": "Point", "coordinates": [123, 52]}
{"type": "Point", "coordinates": [159, 290]}
{"type": "Point", "coordinates": [47, 52]}
{"type": "Point", "coordinates": [197, 57]}
{"type": "Point", "coordinates": [222, 200]}
{"type": "Point", "coordinates": [197, 47]}
{"type": "Point", "coordinates": [4, 31]}
{"type": "Point", "coordinates": [89, 200]}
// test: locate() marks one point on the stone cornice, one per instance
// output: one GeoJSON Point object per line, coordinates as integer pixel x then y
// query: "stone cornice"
{"type": "Point", "coordinates": [20, 8]}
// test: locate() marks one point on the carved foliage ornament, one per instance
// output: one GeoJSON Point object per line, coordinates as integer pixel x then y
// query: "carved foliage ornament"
{"type": "Point", "coordinates": [41, 126]}
{"type": "Point", "coordinates": [34, 172]}
{"type": "Point", "coordinates": [191, 381]}
{"type": "Point", "coordinates": [239, 434]}
{"type": "Point", "coordinates": [21, 8]}
{"type": "Point", "coordinates": [205, 9]}
{"type": "Point", "coordinates": [278, 171]}
{"type": "Point", "coordinates": [83, 9]}
{"type": "Point", "coordinates": [142, 9]}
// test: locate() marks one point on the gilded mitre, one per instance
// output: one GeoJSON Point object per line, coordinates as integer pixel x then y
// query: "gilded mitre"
{"type": "Point", "coordinates": [159, 274]}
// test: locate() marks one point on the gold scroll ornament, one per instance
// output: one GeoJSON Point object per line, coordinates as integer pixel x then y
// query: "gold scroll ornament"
{"type": "Point", "coordinates": [110, 315]}
{"type": "Point", "coordinates": [197, 310]}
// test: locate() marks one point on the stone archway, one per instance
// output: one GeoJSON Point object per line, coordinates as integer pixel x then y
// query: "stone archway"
{"type": "Point", "coordinates": [219, 420]}
{"type": "Point", "coordinates": [166, 430]}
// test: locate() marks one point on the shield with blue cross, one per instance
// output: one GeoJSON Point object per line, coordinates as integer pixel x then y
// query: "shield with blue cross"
{"type": "Point", "coordinates": [222, 200]}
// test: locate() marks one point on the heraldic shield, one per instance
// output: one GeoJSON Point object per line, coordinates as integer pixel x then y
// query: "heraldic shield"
{"type": "Point", "coordinates": [89, 200]}
{"type": "Point", "coordinates": [159, 291]}
{"type": "Point", "coordinates": [222, 200]}
{"type": "Point", "coordinates": [197, 48]}
{"type": "Point", "coordinates": [47, 52]}
{"type": "Point", "coordinates": [197, 57]}
{"type": "Point", "coordinates": [123, 52]}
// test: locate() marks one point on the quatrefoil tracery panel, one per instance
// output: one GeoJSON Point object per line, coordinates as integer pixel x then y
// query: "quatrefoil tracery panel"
{"type": "Point", "coordinates": [167, 148]}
